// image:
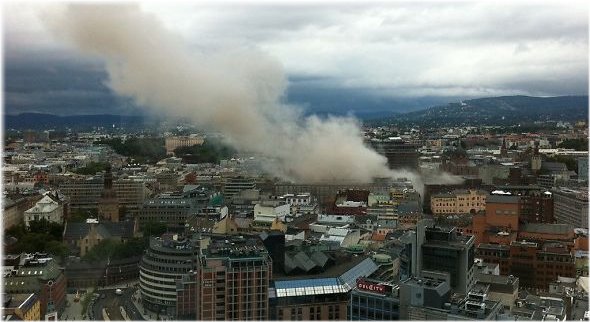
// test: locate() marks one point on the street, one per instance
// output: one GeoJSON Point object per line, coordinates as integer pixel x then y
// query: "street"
{"type": "Point", "coordinates": [111, 302]}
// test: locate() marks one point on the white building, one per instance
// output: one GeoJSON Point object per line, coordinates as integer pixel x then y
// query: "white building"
{"type": "Point", "coordinates": [267, 213]}
{"type": "Point", "coordinates": [302, 203]}
{"type": "Point", "coordinates": [46, 208]}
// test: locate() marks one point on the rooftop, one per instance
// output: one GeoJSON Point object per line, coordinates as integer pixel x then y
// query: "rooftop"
{"type": "Point", "coordinates": [495, 198]}
{"type": "Point", "coordinates": [340, 281]}
{"type": "Point", "coordinates": [547, 228]}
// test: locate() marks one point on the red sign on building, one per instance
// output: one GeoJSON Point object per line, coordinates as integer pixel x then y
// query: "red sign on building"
{"type": "Point", "coordinates": [374, 287]}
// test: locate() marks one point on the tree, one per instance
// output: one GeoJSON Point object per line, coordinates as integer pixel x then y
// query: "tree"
{"type": "Point", "coordinates": [92, 168]}
{"type": "Point", "coordinates": [570, 162]}
{"type": "Point", "coordinates": [57, 248]}
{"type": "Point", "coordinates": [576, 144]}
{"type": "Point", "coordinates": [153, 228]}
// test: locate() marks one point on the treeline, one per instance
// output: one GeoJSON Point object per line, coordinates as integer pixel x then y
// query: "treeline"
{"type": "Point", "coordinates": [576, 144]}
{"type": "Point", "coordinates": [211, 151]}
{"type": "Point", "coordinates": [141, 150]}
{"type": "Point", "coordinates": [41, 236]}
{"type": "Point", "coordinates": [114, 249]}
{"type": "Point", "coordinates": [91, 168]}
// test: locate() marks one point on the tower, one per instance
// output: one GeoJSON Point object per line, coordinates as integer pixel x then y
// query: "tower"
{"type": "Point", "coordinates": [108, 205]}
{"type": "Point", "coordinates": [503, 149]}
{"type": "Point", "coordinates": [536, 159]}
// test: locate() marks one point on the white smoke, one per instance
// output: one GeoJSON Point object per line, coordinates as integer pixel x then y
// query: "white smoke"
{"type": "Point", "coordinates": [235, 92]}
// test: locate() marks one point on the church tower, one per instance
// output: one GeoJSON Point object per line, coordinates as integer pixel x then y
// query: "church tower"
{"type": "Point", "coordinates": [503, 149]}
{"type": "Point", "coordinates": [108, 205]}
{"type": "Point", "coordinates": [536, 159]}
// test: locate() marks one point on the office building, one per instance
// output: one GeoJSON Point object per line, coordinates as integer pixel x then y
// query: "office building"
{"type": "Point", "coordinates": [448, 251]}
{"type": "Point", "coordinates": [85, 194]}
{"type": "Point", "coordinates": [318, 295]}
{"type": "Point", "coordinates": [233, 280]}
{"type": "Point", "coordinates": [173, 142]}
{"type": "Point", "coordinates": [399, 153]}
{"type": "Point", "coordinates": [166, 262]}
{"type": "Point", "coordinates": [458, 202]}
{"type": "Point", "coordinates": [571, 206]}
{"type": "Point", "coordinates": [424, 300]}
{"type": "Point", "coordinates": [535, 264]}
{"type": "Point", "coordinates": [502, 288]}
{"type": "Point", "coordinates": [421, 292]}
{"type": "Point", "coordinates": [374, 300]}
{"type": "Point", "coordinates": [175, 208]}
{"type": "Point", "coordinates": [233, 185]}
{"type": "Point", "coordinates": [536, 203]}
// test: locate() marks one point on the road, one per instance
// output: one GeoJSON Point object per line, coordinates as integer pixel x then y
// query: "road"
{"type": "Point", "coordinates": [111, 302]}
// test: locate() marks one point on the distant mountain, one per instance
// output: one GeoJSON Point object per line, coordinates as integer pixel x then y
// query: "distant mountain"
{"type": "Point", "coordinates": [504, 110]}
{"type": "Point", "coordinates": [38, 121]}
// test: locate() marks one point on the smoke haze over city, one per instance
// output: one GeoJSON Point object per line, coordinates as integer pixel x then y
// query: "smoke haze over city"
{"type": "Point", "coordinates": [236, 92]}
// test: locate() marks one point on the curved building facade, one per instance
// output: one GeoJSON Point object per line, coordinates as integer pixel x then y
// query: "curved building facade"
{"type": "Point", "coordinates": [167, 263]}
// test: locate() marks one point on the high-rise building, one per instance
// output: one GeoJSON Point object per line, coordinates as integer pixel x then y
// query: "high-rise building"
{"type": "Point", "coordinates": [399, 153]}
{"type": "Point", "coordinates": [168, 262]}
{"type": "Point", "coordinates": [448, 251]}
{"type": "Point", "coordinates": [233, 280]}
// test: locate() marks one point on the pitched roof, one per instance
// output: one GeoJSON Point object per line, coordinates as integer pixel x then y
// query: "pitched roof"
{"type": "Point", "coordinates": [45, 205]}
{"type": "Point", "coordinates": [122, 229]}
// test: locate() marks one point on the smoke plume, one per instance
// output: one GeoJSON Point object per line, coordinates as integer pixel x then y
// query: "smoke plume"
{"type": "Point", "coordinates": [237, 92]}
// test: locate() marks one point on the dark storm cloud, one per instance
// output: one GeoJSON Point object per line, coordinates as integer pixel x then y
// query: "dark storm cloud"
{"type": "Point", "coordinates": [368, 52]}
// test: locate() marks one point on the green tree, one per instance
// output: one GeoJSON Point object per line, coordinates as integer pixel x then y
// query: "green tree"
{"type": "Point", "coordinates": [57, 248]}
{"type": "Point", "coordinates": [570, 162]}
{"type": "Point", "coordinates": [153, 228]}
{"type": "Point", "coordinates": [210, 151]}
{"type": "Point", "coordinates": [92, 168]}
{"type": "Point", "coordinates": [576, 144]}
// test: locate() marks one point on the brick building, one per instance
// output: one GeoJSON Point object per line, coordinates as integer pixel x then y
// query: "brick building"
{"type": "Point", "coordinates": [233, 280]}
{"type": "Point", "coordinates": [536, 265]}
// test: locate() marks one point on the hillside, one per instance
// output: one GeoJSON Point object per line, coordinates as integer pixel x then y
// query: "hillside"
{"type": "Point", "coordinates": [38, 121]}
{"type": "Point", "coordinates": [504, 110]}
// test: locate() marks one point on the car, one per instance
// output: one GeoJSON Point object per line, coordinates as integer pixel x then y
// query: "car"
{"type": "Point", "coordinates": [119, 291]}
{"type": "Point", "coordinates": [102, 296]}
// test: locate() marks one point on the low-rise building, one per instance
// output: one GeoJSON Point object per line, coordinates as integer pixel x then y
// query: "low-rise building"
{"type": "Point", "coordinates": [26, 307]}
{"type": "Point", "coordinates": [458, 202]}
{"type": "Point", "coordinates": [47, 208]}
{"type": "Point", "coordinates": [318, 295]}
{"type": "Point", "coordinates": [39, 274]}
{"type": "Point", "coordinates": [374, 300]}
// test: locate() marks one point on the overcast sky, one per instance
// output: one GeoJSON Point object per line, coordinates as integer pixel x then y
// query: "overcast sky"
{"type": "Point", "coordinates": [387, 50]}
